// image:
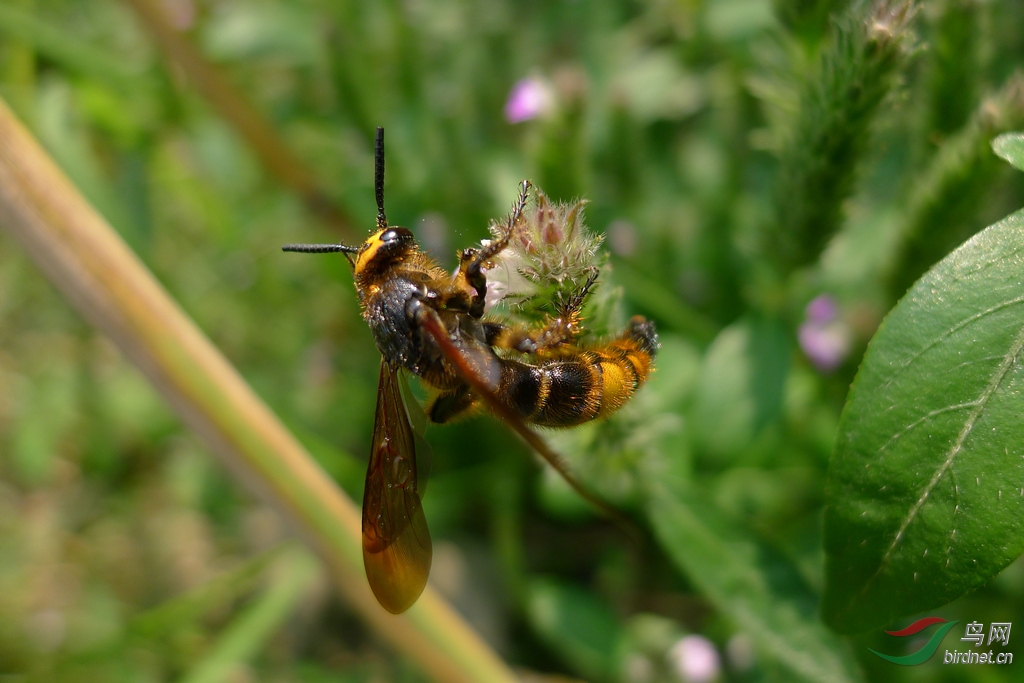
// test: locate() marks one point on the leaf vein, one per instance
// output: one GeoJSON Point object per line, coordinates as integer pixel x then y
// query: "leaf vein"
{"type": "Point", "coordinates": [976, 411]}
{"type": "Point", "coordinates": [924, 418]}
{"type": "Point", "coordinates": [955, 328]}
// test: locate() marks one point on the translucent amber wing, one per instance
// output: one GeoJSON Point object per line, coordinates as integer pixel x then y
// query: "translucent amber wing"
{"type": "Point", "coordinates": [396, 543]}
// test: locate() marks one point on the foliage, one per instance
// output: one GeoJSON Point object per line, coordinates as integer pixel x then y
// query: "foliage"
{"type": "Point", "coordinates": [742, 158]}
{"type": "Point", "coordinates": [925, 492]}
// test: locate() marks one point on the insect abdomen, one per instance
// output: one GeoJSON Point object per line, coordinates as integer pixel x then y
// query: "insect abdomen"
{"type": "Point", "coordinates": [590, 384]}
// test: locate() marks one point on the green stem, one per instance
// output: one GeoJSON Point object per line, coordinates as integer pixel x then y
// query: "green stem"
{"type": "Point", "coordinates": [817, 166]}
{"type": "Point", "coordinates": [274, 154]}
{"type": "Point", "coordinates": [945, 198]}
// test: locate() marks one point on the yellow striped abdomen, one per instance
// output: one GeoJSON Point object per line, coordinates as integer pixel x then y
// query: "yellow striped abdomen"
{"type": "Point", "coordinates": [583, 385]}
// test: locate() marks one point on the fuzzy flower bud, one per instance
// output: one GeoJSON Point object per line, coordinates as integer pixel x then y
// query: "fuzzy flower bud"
{"type": "Point", "coordinates": [551, 255]}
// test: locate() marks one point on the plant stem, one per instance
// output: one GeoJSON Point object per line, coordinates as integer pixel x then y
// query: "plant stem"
{"type": "Point", "coordinates": [946, 196]}
{"type": "Point", "coordinates": [817, 166]}
{"type": "Point", "coordinates": [273, 153]}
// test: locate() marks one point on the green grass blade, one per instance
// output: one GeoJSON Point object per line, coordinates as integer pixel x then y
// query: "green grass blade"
{"type": "Point", "coordinates": [247, 634]}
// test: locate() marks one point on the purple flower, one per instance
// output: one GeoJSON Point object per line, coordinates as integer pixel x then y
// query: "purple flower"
{"type": "Point", "coordinates": [530, 97]}
{"type": "Point", "coordinates": [824, 337]}
{"type": "Point", "coordinates": [822, 310]}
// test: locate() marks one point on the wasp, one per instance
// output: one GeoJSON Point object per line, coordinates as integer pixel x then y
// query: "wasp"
{"type": "Point", "coordinates": [432, 324]}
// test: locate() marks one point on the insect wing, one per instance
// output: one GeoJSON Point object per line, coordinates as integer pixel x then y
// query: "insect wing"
{"type": "Point", "coordinates": [396, 543]}
{"type": "Point", "coordinates": [418, 420]}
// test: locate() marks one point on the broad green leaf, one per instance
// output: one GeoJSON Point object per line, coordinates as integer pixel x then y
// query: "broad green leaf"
{"type": "Point", "coordinates": [740, 386]}
{"type": "Point", "coordinates": [1010, 146]}
{"type": "Point", "coordinates": [925, 490]}
{"type": "Point", "coordinates": [756, 588]}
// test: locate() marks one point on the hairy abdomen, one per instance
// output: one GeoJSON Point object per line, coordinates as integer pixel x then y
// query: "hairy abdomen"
{"type": "Point", "coordinates": [583, 385]}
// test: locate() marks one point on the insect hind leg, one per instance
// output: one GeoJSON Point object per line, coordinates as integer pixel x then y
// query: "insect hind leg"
{"type": "Point", "coordinates": [555, 332]}
{"type": "Point", "coordinates": [452, 405]}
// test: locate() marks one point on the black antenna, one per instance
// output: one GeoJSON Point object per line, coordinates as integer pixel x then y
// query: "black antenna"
{"type": "Point", "coordinates": [382, 220]}
{"type": "Point", "coordinates": [378, 178]}
{"type": "Point", "coordinates": [324, 249]}
{"type": "Point", "coordinates": [320, 248]}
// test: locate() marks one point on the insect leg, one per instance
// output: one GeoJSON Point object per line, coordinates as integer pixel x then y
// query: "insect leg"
{"type": "Point", "coordinates": [572, 307]}
{"type": "Point", "coordinates": [564, 328]}
{"type": "Point", "coordinates": [451, 405]}
{"type": "Point", "coordinates": [556, 331]}
{"type": "Point", "coordinates": [513, 337]}
{"type": "Point", "coordinates": [429, 321]}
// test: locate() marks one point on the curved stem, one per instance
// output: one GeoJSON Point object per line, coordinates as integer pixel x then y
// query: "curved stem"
{"type": "Point", "coordinates": [276, 157]}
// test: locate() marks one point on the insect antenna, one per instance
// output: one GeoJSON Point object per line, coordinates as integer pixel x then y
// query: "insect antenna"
{"type": "Point", "coordinates": [323, 249]}
{"type": "Point", "coordinates": [378, 177]}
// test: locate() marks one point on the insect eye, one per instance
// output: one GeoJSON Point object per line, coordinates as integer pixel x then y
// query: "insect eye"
{"type": "Point", "coordinates": [393, 235]}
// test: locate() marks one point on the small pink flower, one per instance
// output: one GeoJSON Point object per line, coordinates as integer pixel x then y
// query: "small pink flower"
{"type": "Point", "coordinates": [695, 659]}
{"type": "Point", "coordinates": [822, 310]}
{"type": "Point", "coordinates": [530, 97]}
{"type": "Point", "coordinates": [823, 336]}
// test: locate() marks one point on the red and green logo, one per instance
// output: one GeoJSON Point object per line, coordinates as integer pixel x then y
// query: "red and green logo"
{"type": "Point", "coordinates": [928, 649]}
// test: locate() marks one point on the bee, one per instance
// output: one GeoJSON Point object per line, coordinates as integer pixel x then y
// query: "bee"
{"type": "Point", "coordinates": [433, 325]}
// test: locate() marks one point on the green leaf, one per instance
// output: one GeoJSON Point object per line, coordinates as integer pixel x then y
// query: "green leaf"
{"type": "Point", "coordinates": [69, 51]}
{"type": "Point", "coordinates": [740, 386]}
{"type": "Point", "coordinates": [581, 630]}
{"type": "Point", "coordinates": [925, 490]}
{"type": "Point", "coordinates": [186, 610]}
{"type": "Point", "coordinates": [761, 592]}
{"type": "Point", "coordinates": [250, 32]}
{"type": "Point", "coordinates": [1010, 146]}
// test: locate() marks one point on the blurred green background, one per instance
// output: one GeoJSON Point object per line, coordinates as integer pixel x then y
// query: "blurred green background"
{"type": "Point", "coordinates": [704, 136]}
